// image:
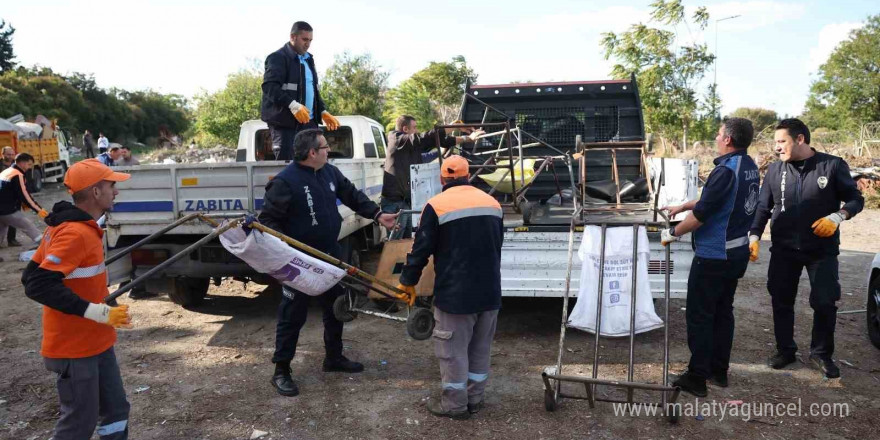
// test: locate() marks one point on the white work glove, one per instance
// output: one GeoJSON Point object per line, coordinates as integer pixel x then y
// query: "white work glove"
{"type": "Point", "coordinates": [666, 236]}
{"type": "Point", "coordinates": [117, 317]}
{"type": "Point", "coordinates": [475, 134]}
{"type": "Point", "coordinates": [300, 112]}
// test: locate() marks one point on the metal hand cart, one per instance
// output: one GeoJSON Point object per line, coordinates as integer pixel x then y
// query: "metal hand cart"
{"type": "Point", "coordinates": [553, 377]}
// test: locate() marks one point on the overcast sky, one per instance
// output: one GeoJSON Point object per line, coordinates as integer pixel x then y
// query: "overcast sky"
{"type": "Point", "coordinates": [767, 57]}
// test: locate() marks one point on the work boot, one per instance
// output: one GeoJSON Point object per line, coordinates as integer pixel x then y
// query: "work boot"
{"type": "Point", "coordinates": [282, 381]}
{"type": "Point", "coordinates": [781, 360]}
{"type": "Point", "coordinates": [434, 407]}
{"type": "Point", "coordinates": [342, 364]}
{"type": "Point", "coordinates": [719, 378]}
{"type": "Point", "coordinates": [141, 294]}
{"type": "Point", "coordinates": [826, 365]}
{"type": "Point", "coordinates": [691, 383]}
{"type": "Point", "coordinates": [474, 408]}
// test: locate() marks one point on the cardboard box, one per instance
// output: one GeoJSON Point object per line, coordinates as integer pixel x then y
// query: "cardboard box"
{"type": "Point", "coordinates": [391, 264]}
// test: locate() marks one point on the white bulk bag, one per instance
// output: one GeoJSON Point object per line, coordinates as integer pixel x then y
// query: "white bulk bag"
{"type": "Point", "coordinates": [268, 254]}
{"type": "Point", "coordinates": [617, 282]}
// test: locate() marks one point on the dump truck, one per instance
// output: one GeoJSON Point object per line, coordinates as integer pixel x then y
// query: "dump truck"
{"type": "Point", "coordinates": [50, 149]}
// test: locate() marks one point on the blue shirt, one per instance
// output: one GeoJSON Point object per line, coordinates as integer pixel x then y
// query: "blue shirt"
{"type": "Point", "coordinates": [727, 206]}
{"type": "Point", "coordinates": [105, 159]}
{"type": "Point", "coordinates": [309, 82]}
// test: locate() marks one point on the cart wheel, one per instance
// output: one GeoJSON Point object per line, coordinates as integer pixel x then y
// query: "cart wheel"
{"type": "Point", "coordinates": [550, 403]}
{"type": "Point", "coordinates": [342, 309]}
{"type": "Point", "coordinates": [420, 324]}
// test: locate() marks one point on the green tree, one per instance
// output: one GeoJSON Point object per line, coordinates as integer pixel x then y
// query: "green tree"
{"type": "Point", "coordinates": [219, 115]}
{"type": "Point", "coordinates": [667, 71]}
{"type": "Point", "coordinates": [431, 95]}
{"type": "Point", "coordinates": [7, 57]}
{"type": "Point", "coordinates": [760, 117]}
{"type": "Point", "coordinates": [847, 93]}
{"type": "Point", "coordinates": [355, 85]}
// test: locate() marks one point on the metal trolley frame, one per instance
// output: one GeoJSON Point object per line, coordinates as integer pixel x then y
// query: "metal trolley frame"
{"type": "Point", "coordinates": [554, 377]}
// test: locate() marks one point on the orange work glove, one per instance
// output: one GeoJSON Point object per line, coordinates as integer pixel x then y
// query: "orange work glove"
{"type": "Point", "coordinates": [43, 213]}
{"type": "Point", "coordinates": [410, 292]}
{"type": "Point", "coordinates": [300, 112]}
{"type": "Point", "coordinates": [329, 120]}
{"type": "Point", "coordinates": [827, 226]}
{"type": "Point", "coordinates": [116, 317]}
{"type": "Point", "coordinates": [754, 247]}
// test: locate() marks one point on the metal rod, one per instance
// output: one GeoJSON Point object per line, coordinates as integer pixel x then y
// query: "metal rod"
{"type": "Point", "coordinates": [379, 314]}
{"type": "Point", "coordinates": [851, 312]}
{"type": "Point", "coordinates": [565, 300]}
{"type": "Point", "coordinates": [612, 383]}
{"type": "Point", "coordinates": [616, 176]}
{"type": "Point", "coordinates": [141, 279]}
{"type": "Point", "coordinates": [666, 314]}
{"type": "Point", "coordinates": [150, 238]}
{"type": "Point", "coordinates": [601, 291]}
{"type": "Point", "coordinates": [511, 165]}
{"type": "Point", "coordinates": [632, 305]}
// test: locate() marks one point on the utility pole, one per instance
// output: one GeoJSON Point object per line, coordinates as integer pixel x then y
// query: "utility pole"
{"type": "Point", "coordinates": [715, 68]}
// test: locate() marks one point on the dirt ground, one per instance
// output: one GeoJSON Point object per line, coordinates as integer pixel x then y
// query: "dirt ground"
{"type": "Point", "coordinates": [204, 373]}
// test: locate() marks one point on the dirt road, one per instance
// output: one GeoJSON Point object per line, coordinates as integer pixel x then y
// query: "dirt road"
{"type": "Point", "coordinates": [204, 373]}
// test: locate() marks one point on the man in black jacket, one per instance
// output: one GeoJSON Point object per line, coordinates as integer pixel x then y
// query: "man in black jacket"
{"type": "Point", "coordinates": [14, 195]}
{"type": "Point", "coordinates": [406, 146]}
{"type": "Point", "coordinates": [300, 202]}
{"type": "Point", "coordinates": [291, 99]}
{"type": "Point", "coordinates": [803, 192]}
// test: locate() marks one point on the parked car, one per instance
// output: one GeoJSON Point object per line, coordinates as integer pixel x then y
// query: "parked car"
{"type": "Point", "coordinates": [873, 305]}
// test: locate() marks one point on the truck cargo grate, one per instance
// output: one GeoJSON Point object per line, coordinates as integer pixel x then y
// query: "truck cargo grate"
{"type": "Point", "coordinates": [656, 267]}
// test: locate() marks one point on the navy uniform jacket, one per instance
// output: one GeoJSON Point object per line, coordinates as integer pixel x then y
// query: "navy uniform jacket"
{"type": "Point", "coordinates": [793, 200]}
{"type": "Point", "coordinates": [283, 83]}
{"type": "Point", "coordinates": [301, 203]}
{"type": "Point", "coordinates": [726, 207]}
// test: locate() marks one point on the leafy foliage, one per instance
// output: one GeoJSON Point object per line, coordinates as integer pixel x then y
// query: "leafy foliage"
{"type": "Point", "coordinates": [7, 57]}
{"type": "Point", "coordinates": [355, 85]}
{"type": "Point", "coordinates": [219, 115]}
{"type": "Point", "coordinates": [431, 95]}
{"type": "Point", "coordinates": [760, 117]}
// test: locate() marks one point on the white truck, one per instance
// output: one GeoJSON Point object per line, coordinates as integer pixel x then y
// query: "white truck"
{"type": "Point", "coordinates": [157, 195]}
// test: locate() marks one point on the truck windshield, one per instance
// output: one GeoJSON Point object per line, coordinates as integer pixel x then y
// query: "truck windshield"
{"type": "Point", "coordinates": [339, 140]}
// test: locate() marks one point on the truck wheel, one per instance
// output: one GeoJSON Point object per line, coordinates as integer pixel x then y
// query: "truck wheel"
{"type": "Point", "coordinates": [420, 324]}
{"type": "Point", "coordinates": [36, 181]}
{"type": "Point", "coordinates": [188, 292]}
{"type": "Point", "coordinates": [874, 311]}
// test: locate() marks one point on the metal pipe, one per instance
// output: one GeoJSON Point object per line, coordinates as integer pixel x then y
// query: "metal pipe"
{"type": "Point", "coordinates": [601, 291]}
{"type": "Point", "coordinates": [565, 301]}
{"type": "Point", "coordinates": [666, 315]}
{"type": "Point", "coordinates": [141, 279]}
{"type": "Point", "coordinates": [150, 238]}
{"type": "Point", "coordinates": [632, 305]}
{"type": "Point", "coordinates": [511, 165]}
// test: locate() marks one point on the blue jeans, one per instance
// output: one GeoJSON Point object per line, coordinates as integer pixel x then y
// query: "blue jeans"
{"type": "Point", "coordinates": [405, 220]}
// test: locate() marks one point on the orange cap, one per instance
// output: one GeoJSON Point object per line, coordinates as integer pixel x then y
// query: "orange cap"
{"type": "Point", "coordinates": [454, 166]}
{"type": "Point", "coordinates": [86, 173]}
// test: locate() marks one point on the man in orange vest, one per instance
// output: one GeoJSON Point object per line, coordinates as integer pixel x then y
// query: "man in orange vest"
{"type": "Point", "coordinates": [68, 277]}
{"type": "Point", "coordinates": [14, 195]}
{"type": "Point", "coordinates": [462, 227]}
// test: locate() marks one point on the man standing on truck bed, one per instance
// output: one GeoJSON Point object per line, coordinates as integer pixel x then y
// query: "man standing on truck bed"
{"type": "Point", "coordinates": [462, 227]}
{"type": "Point", "coordinates": [406, 146]}
{"type": "Point", "coordinates": [14, 195]}
{"type": "Point", "coordinates": [67, 276]}
{"type": "Point", "coordinates": [720, 221]}
{"type": "Point", "coordinates": [300, 202]}
{"type": "Point", "coordinates": [803, 193]}
{"type": "Point", "coordinates": [291, 99]}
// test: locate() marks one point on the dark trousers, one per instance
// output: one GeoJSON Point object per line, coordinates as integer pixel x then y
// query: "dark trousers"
{"type": "Point", "coordinates": [782, 282]}
{"type": "Point", "coordinates": [292, 313]}
{"type": "Point", "coordinates": [709, 315]}
{"type": "Point", "coordinates": [10, 235]}
{"type": "Point", "coordinates": [282, 137]}
{"type": "Point", "coordinates": [90, 390]}
{"type": "Point", "coordinates": [89, 151]}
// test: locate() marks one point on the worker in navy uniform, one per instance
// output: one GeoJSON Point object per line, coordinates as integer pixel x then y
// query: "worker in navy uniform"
{"type": "Point", "coordinates": [720, 222]}
{"type": "Point", "coordinates": [291, 100]}
{"type": "Point", "coordinates": [802, 196]}
{"type": "Point", "coordinates": [300, 202]}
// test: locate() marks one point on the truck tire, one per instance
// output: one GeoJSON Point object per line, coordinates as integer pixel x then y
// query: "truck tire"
{"type": "Point", "coordinates": [35, 184]}
{"type": "Point", "coordinates": [188, 292]}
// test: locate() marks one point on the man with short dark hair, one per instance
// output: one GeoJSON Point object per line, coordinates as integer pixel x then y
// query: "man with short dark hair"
{"type": "Point", "coordinates": [88, 144]}
{"type": "Point", "coordinates": [14, 195]}
{"type": "Point", "coordinates": [803, 193]}
{"type": "Point", "coordinates": [109, 158]}
{"type": "Point", "coordinates": [300, 202]}
{"type": "Point", "coordinates": [462, 228]}
{"type": "Point", "coordinates": [720, 222]}
{"type": "Point", "coordinates": [406, 146]}
{"type": "Point", "coordinates": [7, 162]}
{"type": "Point", "coordinates": [67, 276]}
{"type": "Point", "coordinates": [126, 158]}
{"type": "Point", "coordinates": [291, 100]}
{"type": "Point", "coordinates": [103, 143]}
